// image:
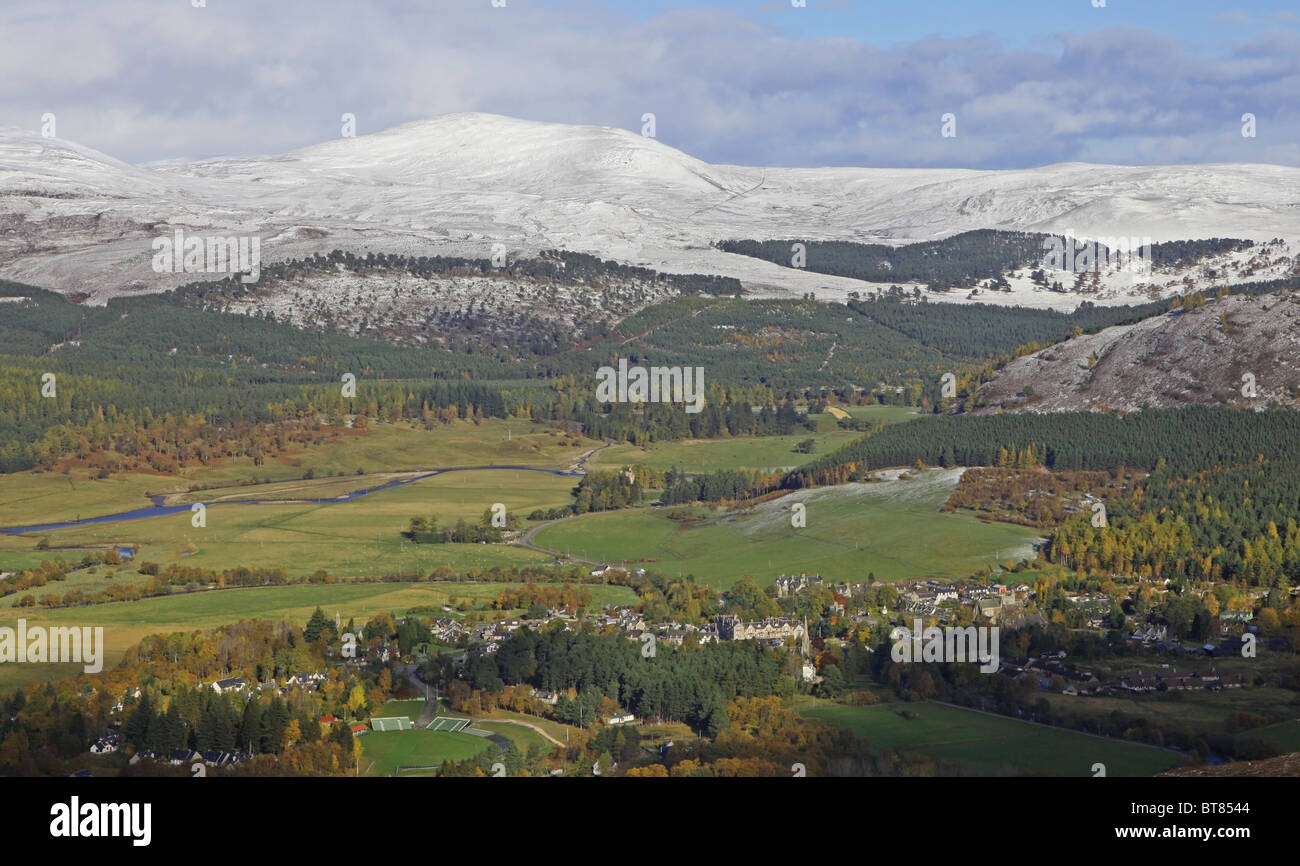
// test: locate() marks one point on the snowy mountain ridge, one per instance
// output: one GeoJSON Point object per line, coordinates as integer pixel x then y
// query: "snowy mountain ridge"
{"type": "Point", "coordinates": [78, 221]}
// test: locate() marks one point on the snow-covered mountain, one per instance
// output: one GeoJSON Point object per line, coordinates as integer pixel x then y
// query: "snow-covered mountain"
{"type": "Point", "coordinates": [78, 221]}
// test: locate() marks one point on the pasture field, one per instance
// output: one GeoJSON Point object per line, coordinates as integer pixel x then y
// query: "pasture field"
{"type": "Point", "coordinates": [91, 579]}
{"type": "Point", "coordinates": [30, 498]}
{"type": "Point", "coordinates": [1191, 712]}
{"type": "Point", "coordinates": [991, 744]}
{"type": "Point", "coordinates": [359, 538]}
{"type": "Point", "coordinates": [1284, 735]}
{"type": "Point", "coordinates": [18, 553]}
{"type": "Point", "coordinates": [891, 528]}
{"type": "Point", "coordinates": [126, 623]}
{"type": "Point", "coordinates": [767, 453]}
{"type": "Point", "coordinates": [392, 749]}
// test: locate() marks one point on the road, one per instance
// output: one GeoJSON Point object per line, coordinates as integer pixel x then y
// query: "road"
{"type": "Point", "coordinates": [431, 709]}
{"type": "Point", "coordinates": [526, 540]}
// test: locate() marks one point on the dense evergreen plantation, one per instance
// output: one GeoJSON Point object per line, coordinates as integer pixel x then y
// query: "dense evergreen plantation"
{"type": "Point", "coordinates": [1188, 440]}
{"type": "Point", "coordinates": [959, 261]}
{"type": "Point", "coordinates": [730, 484]}
{"type": "Point", "coordinates": [956, 261]}
{"type": "Point", "coordinates": [987, 331]}
{"type": "Point", "coordinates": [692, 686]}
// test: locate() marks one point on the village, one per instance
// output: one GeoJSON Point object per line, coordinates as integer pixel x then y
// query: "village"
{"type": "Point", "coordinates": [1003, 605]}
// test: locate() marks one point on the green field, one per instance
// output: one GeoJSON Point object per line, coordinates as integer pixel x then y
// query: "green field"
{"type": "Point", "coordinates": [393, 749]}
{"type": "Point", "coordinates": [1284, 735]}
{"type": "Point", "coordinates": [126, 623]}
{"type": "Point", "coordinates": [773, 453]}
{"type": "Point", "coordinates": [1192, 712]}
{"type": "Point", "coordinates": [992, 744]}
{"type": "Point", "coordinates": [891, 528]}
{"type": "Point", "coordinates": [522, 737]}
{"type": "Point", "coordinates": [392, 709]}
{"type": "Point", "coordinates": [359, 538]}
{"type": "Point", "coordinates": [558, 730]}
{"type": "Point", "coordinates": [28, 498]}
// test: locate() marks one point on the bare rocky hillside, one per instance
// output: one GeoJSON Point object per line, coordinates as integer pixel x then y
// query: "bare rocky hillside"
{"type": "Point", "coordinates": [1210, 354]}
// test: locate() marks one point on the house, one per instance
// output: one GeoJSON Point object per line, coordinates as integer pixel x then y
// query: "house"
{"type": "Point", "coordinates": [234, 684]}
{"type": "Point", "coordinates": [623, 719]}
{"type": "Point", "coordinates": [673, 636]}
{"type": "Point", "coordinates": [307, 681]}
{"type": "Point", "coordinates": [789, 584]}
{"type": "Point", "coordinates": [1149, 633]}
{"type": "Point", "coordinates": [731, 628]}
{"type": "Point", "coordinates": [446, 629]}
{"type": "Point", "coordinates": [110, 742]}
{"type": "Point", "coordinates": [218, 758]}
{"type": "Point", "coordinates": [547, 697]}
{"type": "Point", "coordinates": [182, 756]}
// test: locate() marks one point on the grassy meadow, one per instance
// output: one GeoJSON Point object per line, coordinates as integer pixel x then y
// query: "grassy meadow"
{"type": "Point", "coordinates": [893, 529]}
{"type": "Point", "coordinates": [348, 539]}
{"type": "Point", "coordinates": [768, 453]}
{"type": "Point", "coordinates": [30, 498]}
{"type": "Point", "coordinates": [989, 744]}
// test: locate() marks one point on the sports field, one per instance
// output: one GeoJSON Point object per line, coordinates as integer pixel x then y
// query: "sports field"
{"type": "Point", "coordinates": [391, 750]}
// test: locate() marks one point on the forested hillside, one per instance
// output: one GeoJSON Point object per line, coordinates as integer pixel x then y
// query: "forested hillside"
{"type": "Point", "coordinates": [959, 261]}
{"type": "Point", "coordinates": [1187, 440]}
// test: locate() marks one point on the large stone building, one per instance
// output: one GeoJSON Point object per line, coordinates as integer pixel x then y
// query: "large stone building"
{"type": "Point", "coordinates": [789, 584]}
{"type": "Point", "coordinates": [731, 628]}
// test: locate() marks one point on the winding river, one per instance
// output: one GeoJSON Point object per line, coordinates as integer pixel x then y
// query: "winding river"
{"type": "Point", "coordinates": [160, 510]}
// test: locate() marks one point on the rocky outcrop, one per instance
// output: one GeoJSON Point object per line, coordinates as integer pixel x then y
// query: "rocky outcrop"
{"type": "Point", "coordinates": [1239, 350]}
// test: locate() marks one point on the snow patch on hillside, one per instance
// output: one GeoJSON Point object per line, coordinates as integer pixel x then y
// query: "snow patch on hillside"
{"type": "Point", "coordinates": [75, 220]}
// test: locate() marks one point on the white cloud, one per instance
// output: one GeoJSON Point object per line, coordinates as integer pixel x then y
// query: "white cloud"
{"type": "Point", "coordinates": [156, 79]}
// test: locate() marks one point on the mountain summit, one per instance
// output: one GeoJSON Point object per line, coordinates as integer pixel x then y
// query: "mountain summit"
{"type": "Point", "coordinates": [461, 184]}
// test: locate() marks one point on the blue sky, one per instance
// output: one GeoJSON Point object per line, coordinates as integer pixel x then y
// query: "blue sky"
{"type": "Point", "coordinates": [839, 82]}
